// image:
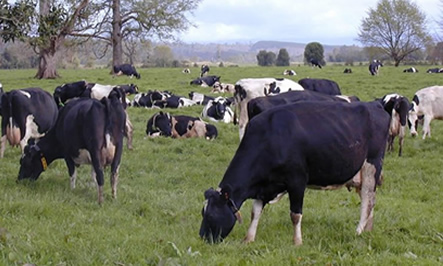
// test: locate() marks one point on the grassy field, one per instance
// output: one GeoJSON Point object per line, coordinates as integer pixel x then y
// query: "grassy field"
{"type": "Point", "coordinates": [156, 218]}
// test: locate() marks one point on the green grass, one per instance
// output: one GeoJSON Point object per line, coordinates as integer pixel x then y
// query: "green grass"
{"type": "Point", "coordinates": [156, 218]}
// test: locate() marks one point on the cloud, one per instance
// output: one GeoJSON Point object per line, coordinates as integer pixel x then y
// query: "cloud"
{"type": "Point", "coordinates": [326, 21]}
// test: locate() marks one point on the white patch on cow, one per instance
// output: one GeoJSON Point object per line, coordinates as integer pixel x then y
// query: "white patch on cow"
{"type": "Point", "coordinates": [278, 198]}
{"type": "Point", "coordinates": [296, 222]}
{"type": "Point", "coordinates": [394, 128]}
{"type": "Point", "coordinates": [205, 206]}
{"type": "Point", "coordinates": [185, 102]}
{"type": "Point", "coordinates": [31, 131]}
{"type": "Point", "coordinates": [99, 91]}
{"type": "Point", "coordinates": [108, 151]}
{"type": "Point", "coordinates": [257, 207]}
{"type": "Point", "coordinates": [388, 97]}
{"type": "Point", "coordinates": [367, 195]}
{"type": "Point", "coordinates": [73, 178]}
{"type": "Point", "coordinates": [198, 97]}
{"type": "Point", "coordinates": [27, 94]}
{"type": "Point", "coordinates": [343, 97]}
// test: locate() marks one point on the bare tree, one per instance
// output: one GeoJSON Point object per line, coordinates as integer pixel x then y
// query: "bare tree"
{"type": "Point", "coordinates": [397, 27]}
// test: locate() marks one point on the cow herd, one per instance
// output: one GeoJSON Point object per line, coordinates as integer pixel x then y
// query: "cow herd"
{"type": "Point", "coordinates": [293, 135]}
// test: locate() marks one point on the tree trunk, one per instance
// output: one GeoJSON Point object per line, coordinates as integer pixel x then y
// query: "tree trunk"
{"type": "Point", "coordinates": [117, 47]}
{"type": "Point", "coordinates": [47, 65]}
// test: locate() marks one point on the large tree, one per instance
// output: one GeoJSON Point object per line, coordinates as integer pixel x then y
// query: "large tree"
{"type": "Point", "coordinates": [397, 27]}
{"type": "Point", "coordinates": [282, 58]}
{"type": "Point", "coordinates": [314, 50]}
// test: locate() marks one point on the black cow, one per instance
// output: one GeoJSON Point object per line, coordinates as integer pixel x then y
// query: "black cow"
{"type": "Point", "coordinates": [207, 81]}
{"type": "Point", "coordinates": [374, 66]}
{"type": "Point", "coordinates": [88, 131]}
{"type": "Point", "coordinates": [204, 70]}
{"type": "Point", "coordinates": [397, 107]}
{"type": "Point", "coordinates": [1, 93]}
{"type": "Point", "coordinates": [149, 99]}
{"type": "Point", "coordinates": [126, 69]}
{"type": "Point", "coordinates": [82, 89]}
{"type": "Point", "coordinates": [315, 63]}
{"type": "Point", "coordinates": [219, 110]}
{"type": "Point", "coordinates": [347, 71]}
{"type": "Point", "coordinates": [321, 145]}
{"type": "Point", "coordinates": [325, 86]}
{"type": "Point", "coordinates": [179, 126]}
{"type": "Point", "coordinates": [410, 70]}
{"type": "Point", "coordinates": [26, 114]}
{"type": "Point", "coordinates": [435, 70]}
{"type": "Point", "coordinates": [261, 104]}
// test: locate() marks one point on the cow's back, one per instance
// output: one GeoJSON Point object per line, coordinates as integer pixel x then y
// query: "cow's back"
{"type": "Point", "coordinates": [296, 134]}
{"type": "Point", "coordinates": [431, 101]}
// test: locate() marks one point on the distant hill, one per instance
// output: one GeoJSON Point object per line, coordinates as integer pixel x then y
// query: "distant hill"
{"type": "Point", "coordinates": [239, 52]}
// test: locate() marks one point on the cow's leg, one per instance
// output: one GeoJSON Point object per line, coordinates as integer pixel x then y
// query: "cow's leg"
{"type": "Point", "coordinates": [367, 195]}
{"type": "Point", "coordinates": [72, 171]}
{"type": "Point", "coordinates": [129, 131]}
{"type": "Point", "coordinates": [98, 169]}
{"type": "Point", "coordinates": [296, 195]}
{"type": "Point", "coordinates": [401, 139]}
{"type": "Point", "coordinates": [3, 146]}
{"type": "Point", "coordinates": [114, 182]}
{"type": "Point", "coordinates": [391, 142]}
{"type": "Point", "coordinates": [427, 126]}
{"type": "Point", "coordinates": [257, 207]}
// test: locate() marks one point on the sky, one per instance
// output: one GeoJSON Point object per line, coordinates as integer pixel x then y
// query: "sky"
{"type": "Point", "coordinates": [330, 22]}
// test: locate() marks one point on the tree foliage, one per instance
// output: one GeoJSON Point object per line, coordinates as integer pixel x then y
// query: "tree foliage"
{"type": "Point", "coordinates": [265, 58]}
{"type": "Point", "coordinates": [398, 27]}
{"type": "Point", "coordinates": [314, 50]}
{"type": "Point", "coordinates": [282, 58]}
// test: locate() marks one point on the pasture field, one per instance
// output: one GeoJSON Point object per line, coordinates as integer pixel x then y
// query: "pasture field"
{"type": "Point", "coordinates": [156, 217]}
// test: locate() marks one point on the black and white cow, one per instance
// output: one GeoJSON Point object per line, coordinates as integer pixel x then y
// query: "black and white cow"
{"type": "Point", "coordinates": [179, 126]}
{"type": "Point", "coordinates": [26, 114]}
{"type": "Point", "coordinates": [173, 101]}
{"type": "Point", "coordinates": [218, 110]}
{"type": "Point", "coordinates": [87, 131]}
{"type": "Point", "coordinates": [149, 99]}
{"type": "Point", "coordinates": [126, 69]}
{"type": "Point", "coordinates": [261, 104]}
{"type": "Point", "coordinates": [83, 89]}
{"type": "Point", "coordinates": [435, 70]}
{"type": "Point", "coordinates": [427, 102]}
{"type": "Point", "coordinates": [186, 71]}
{"type": "Point", "coordinates": [206, 81]}
{"type": "Point", "coordinates": [223, 88]}
{"type": "Point", "coordinates": [374, 66]}
{"type": "Point", "coordinates": [250, 88]}
{"type": "Point", "coordinates": [315, 63]}
{"type": "Point", "coordinates": [289, 72]}
{"type": "Point", "coordinates": [397, 107]}
{"type": "Point", "coordinates": [410, 70]}
{"type": "Point", "coordinates": [200, 98]}
{"type": "Point", "coordinates": [347, 71]}
{"type": "Point", "coordinates": [204, 71]}
{"type": "Point", "coordinates": [325, 86]}
{"type": "Point", "coordinates": [289, 148]}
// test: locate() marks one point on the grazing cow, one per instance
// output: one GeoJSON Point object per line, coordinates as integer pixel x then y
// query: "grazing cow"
{"type": "Point", "coordinates": [410, 70]}
{"type": "Point", "coordinates": [206, 81]}
{"type": "Point", "coordinates": [261, 104]}
{"type": "Point", "coordinates": [325, 86]}
{"type": "Point", "coordinates": [374, 66]}
{"type": "Point", "coordinates": [204, 70]}
{"type": "Point", "coordinates": [186, 71]}
{"type": "Point", "coordinates": [87, 131]}
{"type": "Point", "coordinates": [180, 126]}
{"type": "Point", "coordinates": [126, 69]}
{"type": "Point", "coordinates": [250, 88]}
{"type": "Point", "coordinates": [397, 107]}
{"type": "Point", "coordinates": [218, 110]}
{"type": "Point", "coordinates": [200, 98]}
{"type": "Point", "coordinates": [347, 71]}
{"type": "Point", "coordinates": [435, 70]}
{"type": "Point", "coordinates": [322, 145]}
{"type": "Point", "coordinates": [289, 72]}
{"type": "Point", "coordinates": [223, 88]}
{"type": "Point", "coordinates": [315, 63]}
{"type": "Point", "coordinates": [82, 89]}
{"type": "Point", "coordinates": [427, 102]}
{"type": "Point", "coordinates": [26, 114]}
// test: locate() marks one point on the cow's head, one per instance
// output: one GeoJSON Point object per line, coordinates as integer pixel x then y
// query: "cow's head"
{"type": "Point", "coordinates": [197, 81]}
{"type": "Point", "coordinates": [219, 105]}
{"type": "Point", "coordinates": [32, 163]}
{"type": "Point", "coordinates": [413, 117]}
{"type": "Point", "coordinates": [219, 215]}
{"type": "Point", "coordinates": [162, 123]}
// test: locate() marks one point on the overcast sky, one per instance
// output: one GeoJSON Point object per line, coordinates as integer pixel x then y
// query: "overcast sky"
{"type": "Point", "coordinates": [334, 22]}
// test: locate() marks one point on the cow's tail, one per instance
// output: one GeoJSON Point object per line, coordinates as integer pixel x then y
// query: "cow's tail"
{"type": "Point", "coordinates": [13, 133]}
